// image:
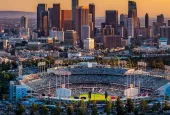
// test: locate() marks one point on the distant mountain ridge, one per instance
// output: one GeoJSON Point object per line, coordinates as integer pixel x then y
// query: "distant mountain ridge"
{"type": "Point", "coordinates": [17, 14]}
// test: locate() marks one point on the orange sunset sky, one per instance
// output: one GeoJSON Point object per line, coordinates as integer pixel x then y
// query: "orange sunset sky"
{"type": "Point", "coordinates": [153, 7]}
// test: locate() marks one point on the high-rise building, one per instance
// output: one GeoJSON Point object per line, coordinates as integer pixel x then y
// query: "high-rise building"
{"type": "Point", "coordinates": [44, 23]}
{"type": "Point", "coordinates": [160, 18]}
{"type": "Point", "coordinates": [132, 13]}
{"type": "Point", "coordinates": [70, 37]}
{"type": "Point", "coordinates": [66, 20]}
{"type": "Point", "coordinates": [50, 10]}
{"type": "Point", "coordinates": [132, 9]}
{"type": "Point", "coordinates": [165, 32]}
{"type": "Point", "coordinates": [85, 32]}
{"type": "Point", "coordinates": [57, 15]}
{"type": "Point", "coordinates": [168, 22]}
{"type": "Point", "coordinates": [131, 27]}
{"type": "Point", "coordinates": [92, 11]}
{"type": "Point", "coordinates": [112, 18]}
{"type": "Point", "coordinates": [75, 4]}
{"type": "Point", "coordinates": [124, 20]}
{"type": "Point", "coordinates": [108, 30]}
{"type": "Point", "coordinates": [40, 8]}
{"type": "Point", "coordinates": [146, 20]}
{"type": "Point", "coordinates": [88, 43]}
{"type": "Point", "coordinates": [82, 19]}
{"type": "Point", "coordinates": [112, 41]}
{"type": "Point", "coordinates": [91, 25]}
{"type": "Point", "coordinates": [24, 22]}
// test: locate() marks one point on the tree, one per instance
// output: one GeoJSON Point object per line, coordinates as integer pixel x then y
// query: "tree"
{"type": "Point", "coordinates": [44, 110]}
{"type": "Point", "coordinates": [106, 95]}
{"type": "Point", "coordinates": [158, 105]}
{"type": "Point", "coordinates": [136, 111]}
{"type": "Point", "coordinates": [20, 109]}
{"type": "Point", "coordinates": [89, 95]}
{"type": "Point", "coordinates": [166, 106]}
{"type": "Point", "coordinates": [154, 107]}
{"type": "Point", "coordinates": [34, 109]}
{"type": "Point", "coordinates": [143, 106]}
{"type": "Point", "coordinates": [108, 107]}
{"type": "Point", "coordinates": [70, 110]}
{"type": "Point", "coordinates": [130, 106]}
{"type": "Point", "coordinates": [82, 108]}
{"type": "Point", "coordinates": [94, 109]}
{"type": "Point", "coordinates": [119, 107]}
{"type": "Point", "coordinates": [9, 107]}
{"type": "Point", "coordinates": [58, 108]}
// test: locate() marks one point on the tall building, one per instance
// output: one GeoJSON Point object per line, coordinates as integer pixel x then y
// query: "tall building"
{"type": "Point", "coordinates": [82, 14]}
{"type": "Point", "coordinates": [44, 23]}
{"type": "Point", "coordinates": [85, 32]}
{"type": "Point", "coordinates": [124, 20]}
{"type": "Point", "coordinates": [75, 4]}
{"type": "Point", "coordinates": [108, 30]}
{"type": "Point", "coordinates": [50, 10]}
{"type": "Point", "coordinates": [132, 9]}
{"type": "Point", "coordinates": [92, 11]}
{"type": "Point", "coordinates": [160, 18]}
{"type": "Point", "coordinates": [70, 37]}
{"type": "Point", "coordinates": [131, 27]}
{"type": "Point", "coordinates": [112, 41]}
{"type": "Point", "coordinates": [56, 15]}
{"type": "Point", "coordinates": [165, 32]}
{"type": "Point", "coordinates": [112, 19]}
{"type": "Point", "coordinates": [146, 20]}
{"type": "Point", "coordinates": [168, 22]}
{"type": "Point", "coordinates": [132, 13]}
{"type": "Point", "coordinates": [66, 20]}
{"type": "Point", "coordinates": [88, 43]}
{"type": "Point", "coordinates": [91, 25]}
{"type": "Point", "coordinates": [40, 8]}
{"type": "Point", "coordinates": [24, 22]}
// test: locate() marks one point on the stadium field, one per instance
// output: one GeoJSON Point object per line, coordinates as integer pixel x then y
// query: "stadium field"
{"type": "Point", "coordinates": [97, 97]}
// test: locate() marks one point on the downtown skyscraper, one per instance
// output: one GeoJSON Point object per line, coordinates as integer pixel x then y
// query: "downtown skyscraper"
{"type": "Point", "coordinates": [40, 8]}
{"type": "Point", "coordinates": [82, 14]}
{"type": "Point", "coordinates": [92, 12]}
{"type": "Point", "coordinates": [56, 17]}
{"type": "Point", "coordinates": [75, 4]}
{"type": "Point", "coordinates": [24, 22]}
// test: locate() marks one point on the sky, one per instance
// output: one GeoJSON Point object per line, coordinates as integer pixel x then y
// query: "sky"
{"type": "Point", "coordinates": [153, 7]}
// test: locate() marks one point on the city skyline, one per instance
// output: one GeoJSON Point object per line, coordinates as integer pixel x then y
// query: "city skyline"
{"type": "Point", "coordinates": [152, 7]}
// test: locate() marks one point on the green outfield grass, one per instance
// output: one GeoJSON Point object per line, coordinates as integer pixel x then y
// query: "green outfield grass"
{"type": "Point", "coordinates": [97, 97]}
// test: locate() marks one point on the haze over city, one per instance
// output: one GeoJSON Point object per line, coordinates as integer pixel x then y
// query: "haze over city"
{"type": "Point", "coordinates": [153, 7]}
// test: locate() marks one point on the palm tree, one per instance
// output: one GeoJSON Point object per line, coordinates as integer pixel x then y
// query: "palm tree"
{"type": "Point", "coordinates": [89, 95]}
{"type": "Point", "coordinates": [119, 107]}
{"type": "Point", "coordinates": [106, 95]}
{"type": "Point", "coordinates": [20, 109]}
{"type": "Point", "coordinates": [58, 108]}
{"type": "Point", "coordinates": [9, 108]}
{"type": "Point", "coordinates": [94, 109]}
{"type": "Point", "coordinates": [108, 107]}
{"type": "Point", "coordinates": [70, 110]}
{"type": "Point", "coordinates": [34, 109]}
{"type": "Point", "coordinates": [130, 106]}
{"type": "Point", "coordinates": [82, 108]}
{"type": "Point", "coordinates": [44, 110]}
{"type": "Point", "coordinates": [143, 106]}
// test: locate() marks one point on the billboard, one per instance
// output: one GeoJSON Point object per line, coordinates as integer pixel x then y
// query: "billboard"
{"type": "Point", "coordinates": [131, 92]}
{"type": "Point", "coordinates": [21, 91]}
{"type": "Point", "coordinates": [167, 89]}
{"type": "Point", "coordinates": [63, 92]}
